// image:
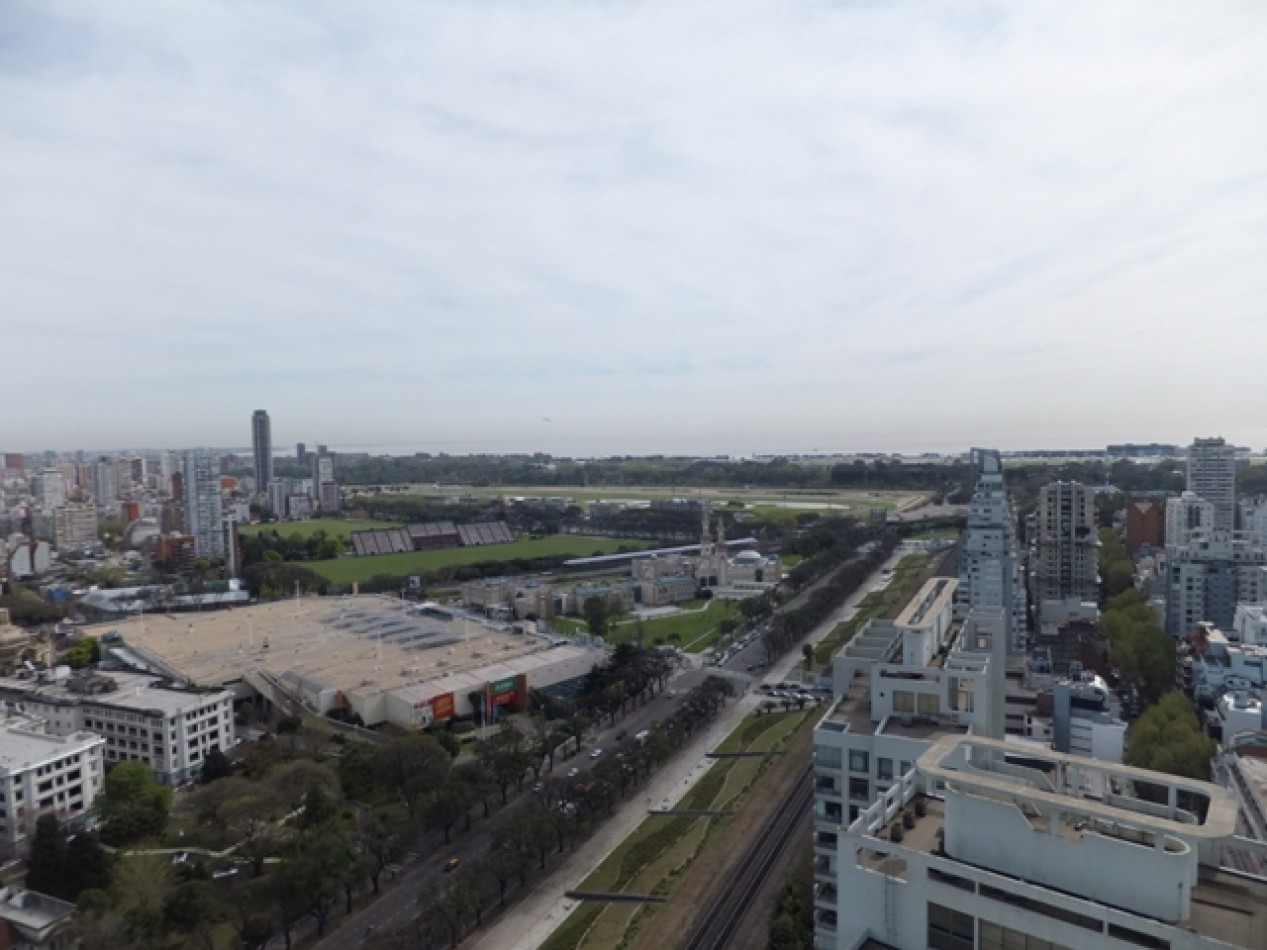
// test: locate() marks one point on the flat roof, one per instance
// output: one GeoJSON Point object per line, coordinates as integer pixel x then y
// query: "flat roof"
{"type": "Point", "coordinates": [140, 691]}
{"type": "Point", "coordinates": [1219, 820]}
{"type": "Point", "coordinates": [21, 748]}
{"type": "Point", "coordinates": [345, 642]}
{"type": "Point", "coordinates": [933, 597]}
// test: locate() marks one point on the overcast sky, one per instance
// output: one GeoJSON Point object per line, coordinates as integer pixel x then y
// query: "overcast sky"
{"type": "Point", "coordinates": [592, 227]}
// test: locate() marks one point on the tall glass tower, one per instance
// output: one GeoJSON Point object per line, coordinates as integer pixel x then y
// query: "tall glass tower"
{"type": "Point", "coordinates": [262, 443]}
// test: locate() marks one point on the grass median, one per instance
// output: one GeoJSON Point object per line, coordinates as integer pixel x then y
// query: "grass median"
{"type": "Point", "coordinates": [654, 857]}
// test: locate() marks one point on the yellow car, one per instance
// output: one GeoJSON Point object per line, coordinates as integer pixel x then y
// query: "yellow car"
{"type": "Point", "coordinates": [451, 865]}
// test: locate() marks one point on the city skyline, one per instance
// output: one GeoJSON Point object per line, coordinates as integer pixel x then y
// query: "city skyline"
{"type": "Point", "coordinates": [662, 228]}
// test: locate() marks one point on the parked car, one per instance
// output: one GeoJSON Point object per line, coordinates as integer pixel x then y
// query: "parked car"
{"type": "Point", "coordinates": [451, 865]}
{"type": "Point", "coordinates": [620, 736]}
{"type": "Point", "coordinates": [594, 754]}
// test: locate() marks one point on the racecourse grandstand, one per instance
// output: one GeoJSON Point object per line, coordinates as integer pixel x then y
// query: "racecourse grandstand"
{"type": "Point", "coordinates": [431, 536]}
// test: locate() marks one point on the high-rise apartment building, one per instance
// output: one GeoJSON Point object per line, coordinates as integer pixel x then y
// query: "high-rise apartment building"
{"type": "Point", "coordinates": [262, 445]}
{"type": "Point", "coordinates": [1067, 545]}
{"type": "Point", "coordinates": [1208, 576]}
{"type": "Point", "coordinates": [74, 526]}
{"type": "Point", "coordinates": [989, 563]}
{"type": "Point", "coordinates": [203, 513]}
{"type": "Point", "coordinates": [301, 454]}
{"type": "Point", "coordinates": [52, 489]}
{"type": "Point", "coordinates": [1212, 475]}
{"type": "Point", "coordinates": [106, 484]}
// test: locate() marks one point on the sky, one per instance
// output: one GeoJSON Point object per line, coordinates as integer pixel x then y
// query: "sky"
{"type": "Point", "coordinates": [633, 227]}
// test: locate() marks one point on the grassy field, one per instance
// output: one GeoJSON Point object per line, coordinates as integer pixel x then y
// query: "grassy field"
{"type": "Point", "coordinates": [887, 603]}
{"type": "Point", "coordinates": [791, 500]}
{"type": "Point", "coordinates": [685, 630]}
{"type": "Point", "coordinates": [345, 570]}
{"type": "Point", "coordinates": [653, 858]}
{"type": "Point", "coordinates": [937, 534]}
{"type": "Point", "coordinates": [334, 527]}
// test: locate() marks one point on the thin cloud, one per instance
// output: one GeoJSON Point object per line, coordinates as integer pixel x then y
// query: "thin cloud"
{"type": "Point", "coordinates": [761, 226]}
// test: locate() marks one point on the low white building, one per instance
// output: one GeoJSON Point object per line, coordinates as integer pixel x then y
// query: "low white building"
{"type": "Point", "coordinates": [43, 774]}
{"type": "Point", "coordinates": [982, 844]}
{"type": "Point", "coordinates": [36, 921]}
{"type": "Point", "coordinates": [141, 718]}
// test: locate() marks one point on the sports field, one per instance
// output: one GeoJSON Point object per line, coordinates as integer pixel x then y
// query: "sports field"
{"type": "Point", "coordinates": [345, 570]}
{"type": "Point", "coordinates": [334, 527]}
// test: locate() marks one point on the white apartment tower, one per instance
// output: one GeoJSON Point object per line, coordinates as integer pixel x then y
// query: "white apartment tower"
{"type": "Point", "coordinates": [1067, 543]}
{"type": "Point", "coordinates": [203, 514]}
{"type": "Point", "coordinates": [989, 565]}
{"type": "Point", "coordinates": [262, 446]}
{"type": "Point", "coordinates": [1212, 475]}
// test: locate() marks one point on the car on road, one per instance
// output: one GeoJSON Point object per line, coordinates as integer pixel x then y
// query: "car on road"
{"type": "Point", "coordinates": [451, 865]}
{"type": "Point", "coordinates": [573, 772]}
{"type": "Point", "coordinates": [596, 753]}
{"type": "Point", "coordinates": [620, 736]}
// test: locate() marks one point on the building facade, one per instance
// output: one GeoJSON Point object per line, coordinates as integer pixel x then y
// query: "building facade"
{"type": "Point", "coordinates": [203, 512]}
{"type": "Point", "coordinates": [74, 526]}
{"type": "Point", "coordinates": [139, 718]}
{"type": "Point", "coordinates": [984, 844]}
{"type": "Point", "coordinates": [1067, 545]}
{"type": "Point", "coordinates": [989, 561]}
{"type": "Point", "coordinates": [262, 449]}
{"type": "Point", "coordinates": [1145, 524]}
{"type": "Point", "coordinates": [44, 774]}
{"type": "Point", "coordinates": [1212, 475]}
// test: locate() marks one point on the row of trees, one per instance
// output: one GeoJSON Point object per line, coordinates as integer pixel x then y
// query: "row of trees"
{"type": "Point", "coordinates": [1117, 569]}
{"type": "Point", "coordinates": [562, 813]}
{"type": "Point", "coordinates": [789, 627]}
{"type": "Point", "coordinates": [275, 546]}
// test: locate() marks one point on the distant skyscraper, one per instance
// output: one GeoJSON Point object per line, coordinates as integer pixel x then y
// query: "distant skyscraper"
{"type": "Point", "coordinates": [301, 453]}
{"type": "Point", "coordinates": [203, 514]}
{"type": "Point", "coordinates": [1212, 475]}
{"type": "Point", "coordinates": [107, 482]}
{"type": "Point", "coordinates": [52, 489]}
{"type": "Point", "coordinates": [325, 493]}
{"type": "Point", "coordinates": [262, 443]}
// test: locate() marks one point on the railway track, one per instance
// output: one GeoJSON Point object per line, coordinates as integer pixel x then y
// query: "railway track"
{"type": "Point", "coordinates": [727, 911]}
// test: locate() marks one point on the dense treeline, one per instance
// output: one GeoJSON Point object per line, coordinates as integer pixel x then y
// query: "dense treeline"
{"type": "Point", "coordinates": [874, 475]}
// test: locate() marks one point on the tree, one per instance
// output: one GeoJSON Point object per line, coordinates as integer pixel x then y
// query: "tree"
{"type": "Point", "coordinates": [1168, 738]}
{"type": "Point", "coordinates": [88, 865]}
{"type": "Point", "coordinates": [46, 870]}
{"type": "Point", "coordinates": [596, 612]}
{"type": "Point", "coordinates": [131, 804]}
{"type": "Point", "coordinates": [193, 909]}
{"type": "Point", "coordinates": [215, 766]}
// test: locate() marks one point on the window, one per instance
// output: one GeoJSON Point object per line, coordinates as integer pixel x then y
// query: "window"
{"type": "Point", "coordinates": [884, 769]}
{"type": "Point", "coordinates": [949, 929]}
{"type": "Point", "coordinates": [859, 788]}
{"type": "Point", "coordinates": [995, 937]}
{"type": "Point", "coordinates": [903, 701]}
{"type": "Point", "coordinates": [859, 761]}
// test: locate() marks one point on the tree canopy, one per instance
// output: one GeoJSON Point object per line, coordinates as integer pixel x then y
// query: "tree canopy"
{"type": "Point", "coordinates": [1168, 738]}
